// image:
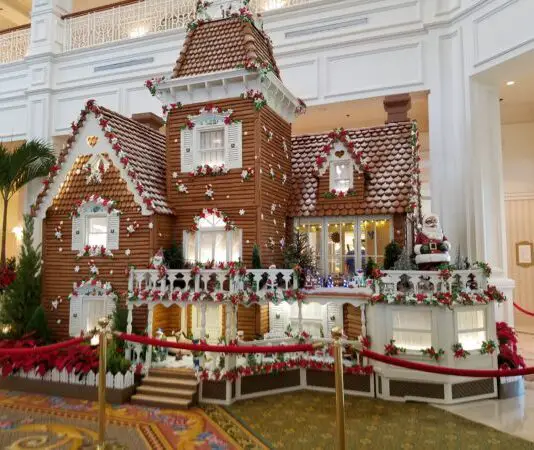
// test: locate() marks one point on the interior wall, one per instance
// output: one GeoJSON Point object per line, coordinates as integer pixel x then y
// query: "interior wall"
{"type": "Point", "coordinates": [518, 171]}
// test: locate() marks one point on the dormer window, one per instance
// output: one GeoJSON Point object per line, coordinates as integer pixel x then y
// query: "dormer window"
{"type": "Point", "coordinates": [211, 138]}
{"type": "Point", "coordinates": [341, 172]}
{"type": "Point", "coordinates": [341, 175]}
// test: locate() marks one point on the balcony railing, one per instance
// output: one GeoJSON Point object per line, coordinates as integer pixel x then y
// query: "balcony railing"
{"type": "Point", "coordinates": [181, 285]}
{"type": "Point", "coordinates": [126, 22]}
{"type": "Point", "coordinates": [131, 20]}
{"type": "Point", "coordinates": [14, 44]}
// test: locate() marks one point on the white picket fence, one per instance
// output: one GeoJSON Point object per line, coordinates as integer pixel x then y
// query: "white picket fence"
{"type": "Point", "coordinates": [118, 381]}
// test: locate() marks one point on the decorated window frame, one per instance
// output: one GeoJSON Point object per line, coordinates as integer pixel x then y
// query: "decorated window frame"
{"type": "Point", "coordinates": [85, 293]}
{"type": "Point", "coordinates": [83, 214]}
{"type": "Point", "coordinates": [194, 239]}
{"type": "Point", "coordinates": [336, 161]}
{"type": "Point", "coordinates": [210, 119]}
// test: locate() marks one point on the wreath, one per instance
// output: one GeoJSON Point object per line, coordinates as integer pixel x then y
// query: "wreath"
{"type": "Point", "coordinates": [335, 237]}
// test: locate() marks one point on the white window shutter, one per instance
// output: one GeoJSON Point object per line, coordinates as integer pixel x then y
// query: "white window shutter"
{"type": "Point", "coordinates": [237, 248]}
{"type": "Point", "coordinates": [110, 305]}
{"type": "Point", "coordinates": [186, 150]}
{"type": "Point", "coordinates": [75, 317]}
{"type": "Point", "coordinates": [234, 146]}
{"type": "Point", "coordinates": [189, 246]}
{"type": "Point", "coordinates": [78, 233]}
{"type": "Point", "coordinates": [113, 232]}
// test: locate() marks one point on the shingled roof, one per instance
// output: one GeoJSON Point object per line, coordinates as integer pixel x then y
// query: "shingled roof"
{"type": "Point", "coordinates": [388, 186]}
{"type": "Point", "coordinates": [140, 149]}
{"type": "Point", "coordinates": [223, 44]}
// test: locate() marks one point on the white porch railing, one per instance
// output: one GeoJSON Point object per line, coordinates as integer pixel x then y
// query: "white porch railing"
{"type": "Point", "coordinates": [14, 45]}
{"type": "Point", "coordinates": [212, 281]}
{"type": "Point", "coordinates": [415, 282]}
{"type": "Point", "coordinates": [126, 22]}
{"type": "Point", "coordinates": [117, 381]}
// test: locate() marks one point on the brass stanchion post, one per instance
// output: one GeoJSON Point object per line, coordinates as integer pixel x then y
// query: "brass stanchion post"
{"type": "Point", "coordinates": [340, 394]}
{"type": "Point", "coordinates": [103, 324]}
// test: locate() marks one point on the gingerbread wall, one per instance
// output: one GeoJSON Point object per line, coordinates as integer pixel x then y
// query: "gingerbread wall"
{"type": "Point", "coordinates": [59, 261]}
{"type": "Point", "coordinates": [231, 195]}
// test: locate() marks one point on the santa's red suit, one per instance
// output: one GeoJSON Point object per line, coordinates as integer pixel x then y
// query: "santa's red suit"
{"type": "Point", "coordinates": [431, 245]}
{"type": "Point", "coordinates": [434, 245]}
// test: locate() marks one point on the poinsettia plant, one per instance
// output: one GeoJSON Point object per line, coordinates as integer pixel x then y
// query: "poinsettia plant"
{"type": "Point", "coordinates": [459, 352]}
{"type": "Point", "coordinates": [432, 353]}
{"type": "Point", "coordinates": [508, 357]}
{"type": "Point", "coordinates": [392, 350]}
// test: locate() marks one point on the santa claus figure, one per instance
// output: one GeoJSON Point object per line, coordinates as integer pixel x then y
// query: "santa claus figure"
{"type": "Point", "coordinates": [157, 260]}
{"type": "Point", "coordinates": [431, 245]}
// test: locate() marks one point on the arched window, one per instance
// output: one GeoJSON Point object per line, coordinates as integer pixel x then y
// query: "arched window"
{"type": "Point", "coordinates": [212, 242]}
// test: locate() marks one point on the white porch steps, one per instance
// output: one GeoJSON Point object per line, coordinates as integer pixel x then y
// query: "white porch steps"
{"type": "Point", "coordinates": [167, 388]}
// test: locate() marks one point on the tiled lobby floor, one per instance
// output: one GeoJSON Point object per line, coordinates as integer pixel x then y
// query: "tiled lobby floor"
{"type": "Point", "coordinates": [514, 416]}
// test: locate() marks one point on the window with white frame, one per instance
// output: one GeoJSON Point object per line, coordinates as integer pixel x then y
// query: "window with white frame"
{"type": "Point", "coordinates": [412, 328]}
{"type": "Point", "coordinates": [211, 141]}
{"type": "Point", "coordinates": [95, 226]}
{"type": "Point", "coordinates": [471, 328]}
{"type": "Point", "coordinates": [211, 146]}
{"type": "Point", "coordinates": [212, 242]}
{"type": "Point", "coordinates": [97, 230]}
{"type": "Point", "coordinates": [341, 175]}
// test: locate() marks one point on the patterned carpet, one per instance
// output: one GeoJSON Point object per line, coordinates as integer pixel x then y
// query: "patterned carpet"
{"type": "Point", "coordinates": [306, 420]}
{"type": "Point", "coordinates": [295, 421]}
{"type": "Point", "coordinates": [41, 422]}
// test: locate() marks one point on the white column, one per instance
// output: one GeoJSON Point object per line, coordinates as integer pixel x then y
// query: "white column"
{"type": "Point", "coordinates": [203, 320]}
{"type": "Point", "coordinates": [488, 191]}
{"type": "Point", "coordinates": [47, 30]}
{"type": "Point", "coordinates": [150, 318]}
{"type": "Point", "coordinates": [300, 316]}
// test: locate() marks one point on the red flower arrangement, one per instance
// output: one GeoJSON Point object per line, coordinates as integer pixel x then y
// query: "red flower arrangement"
{"type": "Point", "coordinates": [335, 194]}
{"type": "Point", "coordinates": [392, 350]}
{"type": "Point", "coordinates": [459, 351]}
{"type": "Point", "coordinates": [488, 347]}
{"type": "Point", "coordinates": [433, 354]}
{"type": "Point", "coordinates": [508, 356]}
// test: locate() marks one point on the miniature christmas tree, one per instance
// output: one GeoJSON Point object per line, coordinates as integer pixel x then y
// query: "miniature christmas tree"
{"type": "Point", "coordinates": [392, 254]}
{"type": "Point", "coordinates": [174, 257]}
{"type": "Point", "coordinates": [23, 296]}
{"type": "Point", "coordinates": [404, 262]}
{"type": "Point", "coordinates": [256, 257]}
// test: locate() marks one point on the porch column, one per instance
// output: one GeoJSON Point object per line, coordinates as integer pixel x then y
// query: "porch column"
{"type": "Point", "coordinates": [203, 320]}
{"type": "Point", "coordinates": [130, 318]}
{"type": "Point", "coordinates": [228, 330]}
{"type": "Point", "coordinates": [300, 316]}
{"type": "Point", "coordinates": [150, 318]}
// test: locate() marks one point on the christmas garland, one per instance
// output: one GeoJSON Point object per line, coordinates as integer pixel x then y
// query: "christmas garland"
{"type": "Point", "coordinates": [441, 298]}
{"type": "Point", "coordinates": [166, 109]}
{"type": "Point", "coordinates": [94, 250]}
{"type": "Point", "coordinates": [246, 174]}
{"type": "Point", "coordinates": [256, 96]}
{"type": "Point", "coordinates": [459, 351]}
{"type": "Point", "coordinates": [432, 353]}
{"type": "Point", "coordinates": [279, 367]}
{"type": "Point", "coordinates": [228, 224]}
{"type": "Point", "coordinates": [257, 65]}
{"type": "Point", "coordinates": [98, 287]}
{"type": "Point", "coordinates": [106, 203]}
{"type": "Point", "coordinates": [336, 194]}
{"type": "Point", "coordinates": [415, 206]}
{"type": "Point", "coordinates": [152, 84]}
{"type": "Point", "coordinates": [92, 107]}
{"type": "Point", "coordinates": [207, 171]}
{"type": "Point", "coordinates": [392, 350]}
{"type": "Point", "coordinates": [339, 135]}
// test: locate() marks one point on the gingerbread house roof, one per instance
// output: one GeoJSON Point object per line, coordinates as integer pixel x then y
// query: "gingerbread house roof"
{"type": "Point", "coordinates": [223, 44]}
{"type": "Point", "coordinates": [138, 150]}
{"type": "Point", "coordinates": [389, 153]}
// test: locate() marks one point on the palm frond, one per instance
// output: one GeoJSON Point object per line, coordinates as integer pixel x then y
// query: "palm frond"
{"type": "Point", "coordinates": [31, 160]}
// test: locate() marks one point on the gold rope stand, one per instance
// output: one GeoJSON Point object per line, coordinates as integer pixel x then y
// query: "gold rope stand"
{"type": "Point", "coordinates": [340, 393]}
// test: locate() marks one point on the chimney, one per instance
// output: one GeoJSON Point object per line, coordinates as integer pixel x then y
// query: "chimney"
{"type": "Point", "coordinates": [397, 107]}
{"type": "Point", "coordinates": [149, 119]}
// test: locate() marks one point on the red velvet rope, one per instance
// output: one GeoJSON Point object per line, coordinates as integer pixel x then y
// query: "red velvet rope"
{"type": "Point", "coordinates": [217, 348]}
{"type": "Point", "coordinates": [447, 370]}
{"type": "Point", "coordinates": [43, 349]}
{"type": "Point", "coordinates": [524, 311]}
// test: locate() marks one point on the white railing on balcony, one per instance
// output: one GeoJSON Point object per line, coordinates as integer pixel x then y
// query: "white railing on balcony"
{"type": "Point", "coordinates": [413, 282]}
{"type": "Point", "coordinates": [212, 281]}
{"type": "Point", "coordinates": [14, 45]}
{"type": "Point", "coordinates": [145, 17]}
{"type": "Point", "coordinates": [127, 21]}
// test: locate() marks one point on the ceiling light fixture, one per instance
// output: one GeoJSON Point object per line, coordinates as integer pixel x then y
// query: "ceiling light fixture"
{"type": "Point", "coordinates": [510, 83]}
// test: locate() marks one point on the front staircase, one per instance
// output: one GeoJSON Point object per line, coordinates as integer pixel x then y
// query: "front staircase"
{"type": "Point", "coordinates": [167, 388]}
